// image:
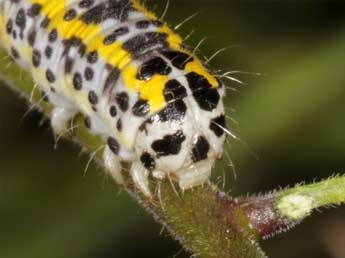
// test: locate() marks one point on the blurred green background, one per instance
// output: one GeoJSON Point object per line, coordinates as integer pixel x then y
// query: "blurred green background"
{"type": "Point", "coordinates": [290, 120]}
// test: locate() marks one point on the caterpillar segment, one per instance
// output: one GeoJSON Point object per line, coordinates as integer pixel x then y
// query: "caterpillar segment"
{"type": "Point", "coordinates": [129, 74]}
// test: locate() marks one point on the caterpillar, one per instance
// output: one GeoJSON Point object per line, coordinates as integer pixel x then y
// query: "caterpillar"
{"type": "Point", "coordinates": [130, 75]}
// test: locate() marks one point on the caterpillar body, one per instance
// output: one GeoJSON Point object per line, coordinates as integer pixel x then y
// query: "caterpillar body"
{"type": "Point", "coordinates": [130, 75]}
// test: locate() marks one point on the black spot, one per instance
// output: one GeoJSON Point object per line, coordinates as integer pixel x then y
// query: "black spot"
{"type": "Point", "coordinates": [21, 21]}
{"type": "Point", "coordinates": [141, 108]}
{"type": "Point", "coordinates": [122, 101]}
{"type": "Point", "coordinates": [109, 9]}
{"type": "Point", "coordinates": [34, 10]}
{"type": "Point", "coordinates": [174, 111]}
{"type": "Point", "coordinates": [70, 15]}
{"type": "Point", "coordinates": [36, 58]}
{"type": "Point", "coordinates": [157, 23]}
{"type": "Point", "coordinates": [119, 125]}
{"type": "Point", "coordinates": [111, 80]}
{"type": "Point", "coordinates": [44, 96]}
{"type": "Point", "coordinates": [9, 26]}
{"type": "Point", "coordinates": [92, 57]}
{"type": "Point", "coordinates": [69, 62]}
{"type": "Point", "coordinates": [87, 122]}
{"type": "Point", "coordinates": [52, 37]}
{"type": "Point", "coordinates": [110, 39]}
{"type": "Point", "coordinates": [217, 125]}
{"type": "Point", "coordinates": [82, 49]}
{"type": "Point", "coordinates": [77, 81]}
{"type": "Point", "coordinates": [92, 97]}
{"type": "Point", "coordinates": [14, 34]}
{"type": "Point", "coordinates": [203, 93]}
{"type": "Point", "coordinates": [48, 52]}
{"type": "Point", "coordinates": [45, 22]}
{"type": "Point", "coordinates": [154, 66]}
{"type": "Point", "coordinates": [14, 53]}
{"type": "Point", "coordinates": [32, 38]}
{"type": "Point", "coordinates": [148, 161]}
{"type": "Point", "coordinates": [174, 90]}
{"type": "Point", "coordinates": [86, 3]}
{"type": "Point", "coordinates": [88, 73]}
{"type": "Point", "coordinates": [200, 149]}
{"type": "Point", "coordinates": [50, 76]}
{"type": "Point", "coordinates": [169, 145]}
{"type": "Point", "coordinates": [113, 145]}
{"type": "Point", "coordinates": [113, 111]}
{"type": "Point", "coordinates": [178, 59]}
{"type": "Point", "coordinates": [143, 24]}
{"type": "Point", "coordinates": [140, 44]}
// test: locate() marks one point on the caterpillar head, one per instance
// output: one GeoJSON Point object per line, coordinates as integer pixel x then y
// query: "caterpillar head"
{"type": "Point", "coordinates": [183, 140]}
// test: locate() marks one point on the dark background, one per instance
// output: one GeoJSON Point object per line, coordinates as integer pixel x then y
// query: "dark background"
{"type": "Point", "coordinates": [290, 120]}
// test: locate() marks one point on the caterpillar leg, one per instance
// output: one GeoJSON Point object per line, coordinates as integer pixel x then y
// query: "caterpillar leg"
{"type": "Point", "coordinates": [59, 119]}
{"type": "Point", "coordinates": [140, 178]}
{"type": "Point", "coordinates": [113, 165]}
{"type": "Point", "coordinates": [196, 174]}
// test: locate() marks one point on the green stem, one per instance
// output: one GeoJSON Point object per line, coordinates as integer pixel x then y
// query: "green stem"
{"type": "Point", "coordinates": [298, 202]}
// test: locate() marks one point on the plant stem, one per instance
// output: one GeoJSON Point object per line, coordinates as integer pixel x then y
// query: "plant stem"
{"type": "Point", "coordinates": [298, 202]}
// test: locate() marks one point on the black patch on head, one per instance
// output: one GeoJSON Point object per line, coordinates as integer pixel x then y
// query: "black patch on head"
{"type": "Point", "coordinates": [70, 15]}
{"type": "Point", "coordinates": [50, 76]}
{"type": "Point", "coordinates": [9, 26]}
{"type": "Point", "coordinates": [77, 81]}
{"type": "Point", "coordinates": [21, 21]}
{"type": "Point", "coordinates": [111, 80]}
{"type": "Point", "coordinates": [92, 57]}
{"type": "Point", "coordinates": [141, 108]}
{"type": "Point", "coordinates": [113, 145]}
{"type": "Point", "coordinates": [174, 112]}
{"type": "Point", "coordinates": [148, 161]}
{"type": "Point", "coordinates": [178, 59]}
{"type": "Point", "coordinates": [154, 66]}
{"type": "Point", "coordinates": [122, 101]}
{"type": "Point", "coordinates": [92, 97]}
{"type": "Point", "coordinates": [140, 44]}
{"type": "Point", "coordinates": [32, 38]}
{"type": "Point", "coordinates": [200, 149]}
{"type": "Point", "coordinates": [174, 90]}
{"type": "Point", "coordinates": [109, 9]}
{"type": "Point", "coordinates": [203, 93]}
{"type": "Point", "coordinates": [34, 10]}
{"type": "Point", "coordinates": [36, 58]}
{"type": "Point", "coordinates": [169, 145]}
{"type": "Point", "coordinates": [110, 39]}
{"type": "Point", "coordinates": [217, 125]}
